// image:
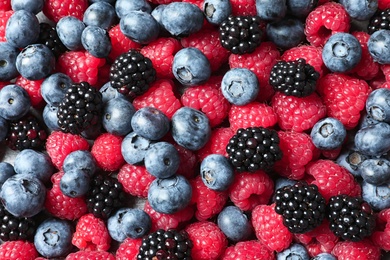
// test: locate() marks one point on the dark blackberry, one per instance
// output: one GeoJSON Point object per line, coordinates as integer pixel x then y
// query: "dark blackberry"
{"type": "Point", "coordinates": [13, 228]}
{"type": "Point", "coordinates": [380, 20]}
{"type": "Point", "coordinates": [131, 74]}
{"type": "Point", "coordinates": [294, 78]}
{"type": "Point", "coordinates": [80, 109]}
{"type": "Point", "coordinates": [350, 218]}
{"type": "Point", "coordinates": [170, 244]}
{"type": "Point", "coordinates": [240, 34]}
{"type": "Point", "coordinates": [26, 133]}
{"type": "Point", "coordinates": [254, 148]}
{"type": "Point", "coordinates": [105, 196]}
{"type": "Point", "coordinates": [301, 205]}
{"type": "Point", "coordinates": [49, 37]}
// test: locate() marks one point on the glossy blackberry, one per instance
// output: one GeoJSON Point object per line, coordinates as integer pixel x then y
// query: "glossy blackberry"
{"type": "Point", "coordinates": [49, 37]}
{"type": "Point", "coordinates": [131, 74]}
{"type": "Point", "coordinates": [80, 109]}
{"type": "Point", "coordinates": [380, 20]}
{"type": "Point", "coordinates": [170, 244]}
{"type": "Point", "coordinates": [13, 228]}
{"type": "Point", "coordinates": [26, 133]}
{"type": "Point", "coordinates": [240, 34]}
{"type": "Point", "coordinates": [254, 148]}
{"type": "Point", "coordinates": [350, 218]}
{"type": "Point", "coordinates": [301, 206]}
{"type": "Point", "coordinates": [105, 196]}
{"type": "Point", "coordinates": [294, 78]}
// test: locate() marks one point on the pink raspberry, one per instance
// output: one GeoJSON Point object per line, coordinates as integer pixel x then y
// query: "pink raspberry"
{"type": "Point", "coordinates": [18, 250]}
{"type": "Point", "coordinates": [33, 88]}
{"type": "Point", "coordinates": [107, 152]}
{"type": "Point", "coordinates": [90, 255]}
{"type": "Point", "coordinates": [217, 144]}
{"type": "Point", "coordinates": [364, 249]}
{"type": "Point", "coordinates": [56, 9]}
{"type": "Point", "coordinates": [128, 249]}
{"type": "Point", "coordinates": [120, 43]}
{"type": "Point", "coordinates": [243, 7]}
{"type": "Point", "coordinates": [252, 249]}
{"type": "Point", "coordinates": [135, 180]}
{"type": "Point", "coordinates": [381, 236]}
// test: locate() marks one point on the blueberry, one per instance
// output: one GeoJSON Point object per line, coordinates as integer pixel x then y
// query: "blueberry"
{"type": "Point", "coordinates": [117, 116]}
{"type": "Point", "coordinates": [100, 14]}
{"type": "Point", "coordinates": [191, 67]}
{"type": "Point", "coordinates": [139, 26]}
{"type": "Point", "coordinates": [234, 224]}
{"type": "Point", "coordinates": [54, 87]}
{"type": "Point", "coordinates": [53, 238]}
{"type": "Point", "coordinates": [240, 86]}
{"type": "Point", "coordinates": [328, 134]}
{"type": "Point", "coordinates": [373, 140]}
{"type": "Point", "coordinates": [295, 251]}
{"type": "Point", "coordinates": [50, 118]}
{"type": "Point", "coordinates": [6, 171]}
{"type": "Point", "coordinates": [379, 46]}
{"type": "Point", "coordinates": [108, 92]}
{"type": "Point", "coordinates": [377, 105]}
{"type": "Point", "coordinates": [351, 159]}
{"type": "Point", "coordinates": [216, 172]}
{"type": "Point", "coordinates": [271, 10]}
{"type": "Point", "coordinates": [157, 15]}
{"type": "Point", "coordinates": [35, 62]}
{"type": "Point", "coordinates": [341, 52]}
{"type": "Point", "coordinates": [75, 183]}
{"type": "Point", "coordinates": [69, 30]}
{"type": "Point", "coordinates": [300, 8]}
{"type": "Point", "coordinates": [361, 10]}
{"type": "Point", "coordinates": [366, 120]}
{"type": "Point", "coordinates": [14, 102]}
{"type": "Point", "coordinates": [190, 128]}
{"type": "Point", "coordinates": [23, 195]}
{"type": "Point", "coordinates": [324, 256]}
{"type": "Point", "coordinates": [80, 160]}
{"type": "Point", "coordinates": [375, 171]}
{"type": "Point", "coordinates": [151, 123]}
{"type": "Point", "coordinates": [8, 55]}
{"type": "Point", "coordinates": [35, 164]}
{"type": "Point", "coordinates": [162, 160]}
{"type": "Point", "coordinates": [286, 33]}
{"type": "Point", "coordinates": [134, 148]}
{"type": "Point", "coordinates": [169, 195]}
{"type": "Point", "coordinates": [123, 7]}
{"type": "Point", "coordinates": [377, 196]}
{"type": "Point", "coordinates": [33, 6]}
{"type": "Point", "coordinates": [217, 11]}
{"type": "Point", "coordinates": [3, 128]}
{"type": "Point", "coordinates": [22, 29]}
{"type": "Point", "coordinates": [129, 222]}
{"type": "Point", "coordinates": [96, 41]}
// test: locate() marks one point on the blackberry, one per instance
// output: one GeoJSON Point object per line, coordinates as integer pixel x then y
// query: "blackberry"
{"type": "Point", "coordinates": [80, 109]}
{"type": "Point", "coordinates": [170, 244]}
{"type": "Point", "coordinates": [294, 78]}
{"type": "Point", "coordinates": [26, 133]}
{"type": "Point", "coordinates": [380, 20]}
{"type": "Point", "coordinates": [13, 228]}
{"type": "Point", "coordinates": [105, 196]}
{"type": "Point", "coordinates": [350, 218]}
{"type": "Point", "coordinates": [301, 206]}
{"type": "Point", "coordinates": [240, 34]}
{"type": "Point", "coordinates": [254, 148]}
{"type": "Point", "coordinates": [49, 37]}
{"type": "Point", "coordinates": [131, 73]}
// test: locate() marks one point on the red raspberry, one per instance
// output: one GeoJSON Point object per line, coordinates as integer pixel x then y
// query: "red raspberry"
{"type": "Point", "coordinates": [269, 228]}
{"type": "Point", "coordinates": [243, 7]}
{"type": "Point", "coordinates": [383, 4]}
{"type": "Point", "coordinates": [59, 145]}
{"type": "Point", "coordinates": [298, 113]}
{"type": "Point", "coordinates": [33, 88]}
{"type": "Point", "coordinates": [107, 152]}
{"type": "Point", "coordinates": [332, 179]}
{"type": "Point", "coordinates": [298, 150]}
{"type": "Point", "coordinates": [135, 180]}
{"type": "Point", "coordinates": [217, 144]}
{"type": "Point", "coordinates": [251, 249]}
{"type": "Point", "coordinates": [91, 234]}
{"type": "Point", "coordinates": [188, 162]}
{"type": "Point", "coordinates": [90, 255]}
{"type": "Point", "coordinates": [208, 240]}
{"type": "Point", "coordinates": [251, 189]}
{"type": "Point", "coordinates": [4, 16]}
{"type": "Point", "coordinates": [5, 5]}
{"type": "Point", "coordinates": [18, 250]}
{"type": "Point", "coordinates": [161, 96]}
{"type": "Point", "coordinates": [62, 206]}
{"type": "Point", "coordinates": [345, 250]}
{"type": "Point", "coordinates": [252, 114]}
{"type": "Point", "coordinates": [385, 85]}
{"type": "Point", "coordinates": [344, 97]}
{"type": "Point", "coordinates": [128, 249]}
{"type": "Point", "coordinates": [56, 9]}
{"type": "Point", "coordinates": [120, 43]}
{"type": "Point", "coordinates": [331, 154]}
{"type": "Point", "coordinates": [325, 20]}
{"type": "Point", "coordinates": [208, 202]}
{"type": "Point", "coordinates": [381, 236]}
{"type": "Point", "coordinates": [386, 71]}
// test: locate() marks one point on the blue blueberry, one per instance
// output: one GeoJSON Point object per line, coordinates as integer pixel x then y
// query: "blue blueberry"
{"type": "Point", "coordinates": [377, 196]}
{"type": "Point", "coordinates": [6, 171]}
{"type": "Point", "coordinates": [100, 14]}
{"type": "Point", "coordinates": [286, 33]}
{"type": "Point", "coordinates": [34, 163]}
{"type": "Point", "coordinates": [108, 92]}
{"type": "Point", "coordinates": [23, 195]}
{"type": "Point", "coordinates": [300, 8]}
{"type": "Point", "coordinates": [80, 160]}
{"type": "Point", "coordinates": [351, 159]}
{"type": "Point", "coordinates": [14, 102]}
{"type": "Point", "coordinates": [328, 134]}
{"type": "Point", "coordinates": [377, 105]}
{"type": "Point", "coordinates": [295, 251]}
{"type": "Point", "coordinates": [54, 87]}
{"type": "Point", "coordinates": [96, 41]}
{"type": "Point", "coordinates": [53, 238]}
{"type": "Point", "coordinates": [169, 195]}
{"type": "Point", "coordinates": [50, 118]}
{"type": "Point", "coordinates": [117, 116]}
{"type": "Point", "coordinates": [22, 29]}
{"type": "Point", "coordinates": [366, 120]}
{"type": "Point", "coordinates": [191, 67]}
{"type": "Point", "coordinates": [3, 128]}
{"type": "Point", "coordinates": [129, 222]}
{"type": "Point", "coordinates": [216, 172]}
{"type": "Point", "coordinates": [75, 183]}
{"type": "Point", "coordinates": [157, 15]}
{"type": "Point", "coordinates": [8, 55]}
{"type": "Point", "coordinates": [324, 256]}
{"type": "Point", "coordinates": [139, 26]}
{"type": "Point", "coordinates": [361, 10]}
{"type": "Point", "coordinates": [234, 224]}
{"type": "Point", "coordinates": [373, 140]}
{"type": "Point", "coordinates": [33, 6]}
{"type": "Point", "coordinates": [123, 7]}
{"type": "Point", "coordinates": [217, 11]}
{"type": "Point", "coordinates": [341, 52]}
{"type": "Point", "coordinates": [151, 123]}
{"type": "Point", "coordinates": [271, 10]}
{"type": "Point", "coordinates": [379, 46]}
{"type": "Point", "coordinates": [375, 171]}
{"type": "Point", "coordinates": [134, 148]}
{"type": "Point", "coordinates": [162, 160]}
{"type": "Point", "coordinates": [69, 30]}
{"type": "Point", "coordinates": [190, 128]}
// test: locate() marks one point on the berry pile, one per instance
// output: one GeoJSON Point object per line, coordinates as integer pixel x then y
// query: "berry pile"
{"type": "Point", "coordinates": [194, 129]}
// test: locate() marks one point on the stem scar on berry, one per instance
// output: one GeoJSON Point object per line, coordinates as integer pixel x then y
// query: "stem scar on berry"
{"type": "Point", "coordinates": [236, 88]}
{"type": "Point", "coordinates": [208, 176]}
{"type": "Point", "coordinates": [326, 130]}
{"type": "Point", "coordinates": [184, 74]}
{"type": "Point", "coordinates": [377, 113]}
{"type": "Point", "coordinates": [167, 162]}
{"type": "Point", "coordinates": [340, 49]}
{"type": "Point", "coordinates": [10, 101]}
{"type": "Point", "coordinates": [30, 187]}
{"type": "Point", "coordinates": [209, 10]}
{"type": "Point", "coordinates": [355, 159]}
{"type": "Point", "coordinates": [51, 237]}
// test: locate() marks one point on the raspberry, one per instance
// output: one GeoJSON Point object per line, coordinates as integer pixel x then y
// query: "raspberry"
{"type": "Point", "coordinates": [208, 240]}
{"type": "Point", "coordinates": [120, 43]}
{"type": "Point", "coordinates": [381, 236]}
{"type": "Point", "coordinates": [383, 4]}
{"type": "Point", "coordinates": [269, 228]}
{"type": "Point", "coordinates": [344, 250]}
{"type": "Point", "coordinates": [4, 16]}
{"type": "Point", "coordinates": [386, 71]}
{"type": "Point", "coordinates": [219, 139]}
{"type": "Point", "coordinates": [90, 255]}
{"type": "Point", "coordinates": [332, 179]}
{"type": "Point", "coordinates": [251, 189]}
{"type": "Point", "coordinates": [18, 250]}
{"type": "Point", "coordinates": [91, 234]}
{"type": "Point", "coordinates": [56, 9]}
{"type": "Point", "coordinates": [135, 180]}
{"type": "Point", "coordinates": [59, 145]}
{"type": "Point", "coordinates": [128, 249]}
{"type": "Point", "coordinates": [344, 97]}
{"type": "Point", "coordinates": [107, 152]}
{"type": "Point", "coordinates": [325, 20]}
{"type": "Point", "coordinates": [298, 114]}
{"type": "Point", "coordinates": [33, 88]}
{"type": "Point", "coordinates": [251, 249]}
{"type": "Point", "coordinates": [188, 162]}
{"type": "Point", "coordinates": [243, 7]}
{"type": "Point", "coordinates": [5, 5]}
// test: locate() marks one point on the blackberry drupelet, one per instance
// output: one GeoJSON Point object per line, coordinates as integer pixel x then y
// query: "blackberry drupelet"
{"type": "Point", "coordinates": [26, 133]}
{"type": "Point", "coordinates": [80, 109]}
{"type": "Point", "coordinates": [49, 37]}
{"type": "Point", "coordinates": [301, 206]}
{"type": "Point", "coordinates": [350, 218]}
{"type": "Point", "coordinates": [170, 244]}
{"type": "Point", "coordinates": [13, 228]}
{"type": "Point", "coordinates": [380, 20]}
{"type": "Point", "coordinates": [294, 78]}
{"type": "Point", "coordinates": [105, 196]}
{"type": "Point", "coordinates": [131, 74]}
{"type": "Point", "coordinates": [240, 34]}
{"type": "Point", "coordinates": [254, 148]}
